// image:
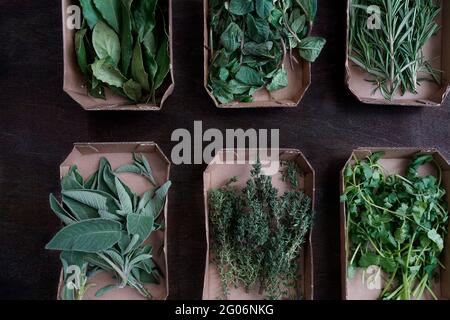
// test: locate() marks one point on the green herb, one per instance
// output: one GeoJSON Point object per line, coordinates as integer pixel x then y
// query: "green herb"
{"type": "Point", "coordinates": [106, 227]}
{"type": "Point", "coordinates": [124, 45]}
{"type": "Point", "coordinates": [257, 236]}
{"type": "Point", "coordinates": [393, 54]}
{"type": "Point", "coordinates": [397, 223]}
{"type": "Point", "coordinates": [249, 40]}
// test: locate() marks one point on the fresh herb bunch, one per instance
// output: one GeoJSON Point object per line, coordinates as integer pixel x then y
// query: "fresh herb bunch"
{"type": "Point", "coordinates": [107, 226]}
{"type": "Point", "coordinates": [249, 40]}
{"type": "Point", "coordinates": [123, 45]}
{"type": "Point", "coordinates": [393, 54]}
{"type": "Point", "coordinates": [397, 223]}
{"type": "Point", "coordinates": [257, 235]}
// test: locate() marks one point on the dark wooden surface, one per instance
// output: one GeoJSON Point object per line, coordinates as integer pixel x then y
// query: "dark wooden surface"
{"type": "Point", "coordinates": [39, 123]}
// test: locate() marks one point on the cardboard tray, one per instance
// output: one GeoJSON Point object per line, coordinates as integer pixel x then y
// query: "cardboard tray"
{"type": "Point", "coordinates": [74, 81]}
{"type": "Point", "coordinates": [395, 160]}
{"type": "Point", "coordinates": [217, 175]}
{"type": "Point", "coordinates": [429, 94]}
{"type": "Point", "coordinates": [86, 156]}
{"type": "Point", "coordinates": [299, 79]}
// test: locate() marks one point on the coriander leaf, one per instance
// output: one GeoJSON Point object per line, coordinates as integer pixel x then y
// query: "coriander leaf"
{"type": "Point", "coordinates": [436, 238]}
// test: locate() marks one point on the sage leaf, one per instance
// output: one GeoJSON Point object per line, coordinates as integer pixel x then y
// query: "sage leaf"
{"type": "Point", "coordinates": [62, 214]}
{"type": "Point", "coordinates": [159, 199]}
{"type": "Point", "coordinates": [110, 11]}
{"type": "Point", "coordinates": [70, 182]}
{"type": "Point", "coordinates": [78, 210]}
{"type": "Point", "coordinates": [132, 245]}
{"type": "Point", "coordinates": [140, 225]}
{"type": "Point", "coordinates": [101, 292]}
{"type": "Point", "coordinates": [88, 198]}
{"type": "Point", "coordinates": [148, 278]}
{"type": "Point", "coordinates": [128, 168]}
{"type": "Point", "coordinates": [125, 200]}
{"type": "Point", "coordinates": [106, 43]}
{"type": "Point", "coordinates": [140, 258]}
{"type": "Point", "coordinates": [90, 236]}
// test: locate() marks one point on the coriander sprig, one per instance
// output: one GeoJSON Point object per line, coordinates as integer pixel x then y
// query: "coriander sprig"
{"type": "Point", "coordinates": [397, 223]}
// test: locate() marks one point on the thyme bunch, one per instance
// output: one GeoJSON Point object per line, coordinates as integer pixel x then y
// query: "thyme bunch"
{"type": "Point", "coordinates": [257, 235]}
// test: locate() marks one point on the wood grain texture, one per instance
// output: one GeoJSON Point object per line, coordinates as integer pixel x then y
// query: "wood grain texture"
{"type": "Point", "coordinates": [39, 123]}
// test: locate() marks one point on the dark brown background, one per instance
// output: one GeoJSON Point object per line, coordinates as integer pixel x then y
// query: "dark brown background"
{"type": "Point", "coordinates": [39, 123]}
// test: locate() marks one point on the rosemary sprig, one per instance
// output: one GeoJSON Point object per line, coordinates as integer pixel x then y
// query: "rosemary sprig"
{"type": "Point", "coordinates": [393, 54]}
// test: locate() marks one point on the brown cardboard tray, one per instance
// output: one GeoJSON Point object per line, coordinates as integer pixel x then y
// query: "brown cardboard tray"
{"type": "Point", "coordinates": [217, 175]}
{"type": "Point", "coordinates": [395, 160]}
{"type": "Point", "coordinates": [74, 81]}
{"type": "Point", "coordinates": [86, 156]}
{"type": "Point", "coordinates": [429, 94]}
